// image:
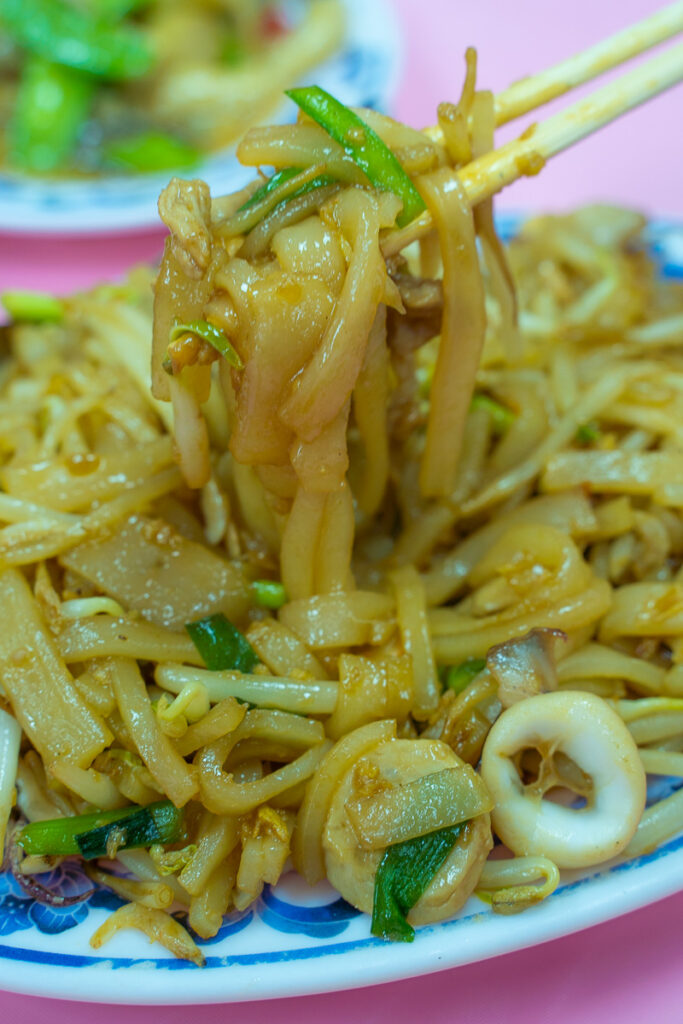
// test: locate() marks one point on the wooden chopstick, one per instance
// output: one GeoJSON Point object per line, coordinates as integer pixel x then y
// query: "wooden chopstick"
{"type": "Point", "coordinates": [536, 90]}
{"type": "Point", "coordinates": [526, 155]}
{"type": "Point", "coordinates": [531, 93]}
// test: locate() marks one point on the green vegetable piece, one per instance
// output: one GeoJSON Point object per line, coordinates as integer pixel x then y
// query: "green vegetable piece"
{"type": "Point", "coordinates": [114, 10]}
{"type": "Point", "coordinates": [269, 186]}
{"type": "Point", "coordinates": [161, 822]}
{"type": "Point", "coordinates": [151, 151]}
{"type": "Point", "coordinates": [203, 329]}
{"type": "Point", "coordinates": [221, 644]}
{"type": "Point", "coordinates": [36, 307]}
{"type": "Point", "coordinates": [363, 145]}
{"type": "Point", "coordinates": [588, 433]}
{"type": "Point", "coordinates": [51, 107]}
{"type": "Point", "coordinates": [57, 837]}
{"type": "Point", "coordinates": [269, 593]}
{"type": "Point", "coordinates": [65, 34]}
{"type": "Point", "coordinates": [272, 196]}
{"type": "Point", "coordinates": [140, 826]}
{"type": "Point", "coordinates": [502, 418]}
{"type": "Point", "coordinates": [233, 51]}
{"type": "Point", "coordinates": [458, 677]}
{"type": "Point", "coordinates": [404, 873]}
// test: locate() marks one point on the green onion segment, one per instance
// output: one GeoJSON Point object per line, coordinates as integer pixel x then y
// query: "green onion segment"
{"type": "Point", "coordinates": [221, 644]}
{"type": "Point", "coordinates": [404, 873]}
{"type": "Point", "coordinates": [203, 329]}
{"type": "Point", "coordinates": [97, 834]}
{"type": "Point", "coordinates": [362, 145]}
{"type": "Point", "coordinates": [269, 593]}
{"type": "Point", "coordinates": [457, 677]}
{"type": "Point", "coordinates": [269, 186]}
{"type": "Point", "coordinates": [502, 418]}
{"type": "Point", "coordinates": [273, 195]}
{"type": "Point", "coordinates": [36, 307]}
{"type": "Point", "coordinates": [587, 433]}
{"type": "Point", "coordinates": [151, 151]}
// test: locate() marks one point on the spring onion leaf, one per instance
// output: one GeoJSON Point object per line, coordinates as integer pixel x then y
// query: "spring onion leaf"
{"type": "Point", "coordinates": [588, 433]}
{"type": "Point", "coordinates": [269, 593]}
{"type": "Point", "coordinates": [502, 418]}
{"type": "Point", "coordinates": [273, 195]}
{"type": "Point", "coordinates": [457, 677]}
{"type": "Point", "coordinates": [138, 826]}
{"type": "Point", "coordinates": [151, 151]}
{"type": "Point", "coordinates": [161, 822]}
{"type": "Point", "coordinates": [363, 145]}
{"type": "Point", "coordinates": [57, 837]}
{"type": "Point", "coordinates": [221, 644]}
{"type": "Point", "coordinates": [269, 186]}
{"type": "Point", "coordinates": [36, 307]}
{"type": "Point", "coordinates": [50, 110]}
{"type": "Point", "coordinates": [65, 34]}
{"type": "Point", "coordinates": [203, 329]}
{"type": "Point", "coordinates": [404, 873]}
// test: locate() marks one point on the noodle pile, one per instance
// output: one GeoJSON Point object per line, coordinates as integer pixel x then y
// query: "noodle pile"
{"type": "Point", "coordinates": [440, 495]}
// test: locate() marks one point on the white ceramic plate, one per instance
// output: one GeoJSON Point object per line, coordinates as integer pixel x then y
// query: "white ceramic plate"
{"type": "Point", "coordinates": [364, 73]}
{"type": "Point", "coordinates": [296, 940]}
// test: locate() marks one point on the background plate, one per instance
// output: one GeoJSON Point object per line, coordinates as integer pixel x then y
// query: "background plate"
{"type": "Point", "coordinates": [364, 73]}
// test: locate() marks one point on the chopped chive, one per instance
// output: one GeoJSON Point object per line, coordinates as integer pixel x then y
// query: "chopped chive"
{"type": "Point", "coordinates": [88, 834]}
{"type": "Point", "coordinates": [588, 433]}
{"type": "Point", "coordinates": [37, 307]}
{"type": "Point", "coordinates": [404, 873]}
{"type": "Point", "coordinates": [502, 418]}
{"type": "Point", "coordinates": [363, 145]}
{"type": "Point", "coordinates": [203, 329]}
{"type": "Point", "coordinates": [221, 644]}
{"type": "Point", "coordinates": [457, 677]}
{"type": "Point", "coordinates": [269, 593]}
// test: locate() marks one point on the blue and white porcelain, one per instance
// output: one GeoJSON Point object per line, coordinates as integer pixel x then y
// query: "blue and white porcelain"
{"type": "Point", "coordinates": [364, 72]}
{"type": "Point", "coordinates": [295, 940]}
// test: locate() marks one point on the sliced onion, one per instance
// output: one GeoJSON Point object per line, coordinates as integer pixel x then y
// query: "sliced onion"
{"type": "Point", "coordinates": [431, 802]}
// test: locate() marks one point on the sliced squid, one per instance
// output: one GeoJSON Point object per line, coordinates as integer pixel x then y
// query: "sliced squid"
{"type": "Point", "coordinates": [351, 868]}
{"type": "Point", "coordinates": [582, 732]}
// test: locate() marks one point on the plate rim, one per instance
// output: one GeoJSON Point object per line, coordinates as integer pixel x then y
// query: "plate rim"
{"type": "Point", "coordinates": [47, 217]}
{"type": "Point", "coordinates": [636, 883]}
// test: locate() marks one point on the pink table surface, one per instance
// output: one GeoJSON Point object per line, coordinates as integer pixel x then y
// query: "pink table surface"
{"type": "Point", "coordinates": [627, 970]}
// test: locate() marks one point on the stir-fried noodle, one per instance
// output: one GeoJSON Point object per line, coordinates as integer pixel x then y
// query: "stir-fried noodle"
{"type": "Point", "coordinates": [399, 572]}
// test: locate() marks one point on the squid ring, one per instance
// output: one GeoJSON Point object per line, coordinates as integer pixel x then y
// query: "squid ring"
{"type": "Point", "coordinates": [585, 729]}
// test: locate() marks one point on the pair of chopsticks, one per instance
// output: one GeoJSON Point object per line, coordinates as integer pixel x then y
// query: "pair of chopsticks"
{"type": "Point", "coordinates": [488, 174]}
